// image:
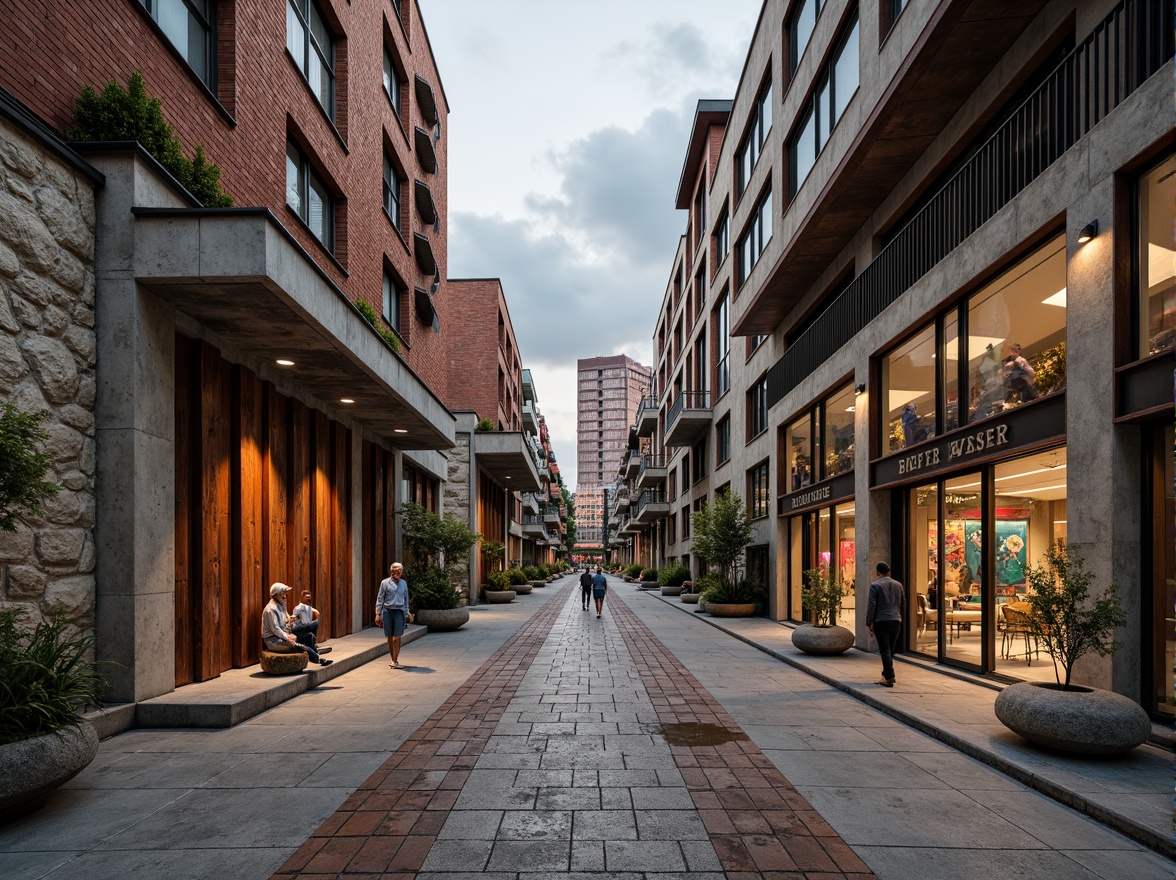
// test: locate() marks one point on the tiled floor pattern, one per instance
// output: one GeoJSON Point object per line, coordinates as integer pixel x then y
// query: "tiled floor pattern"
{"type": "Point", "coordinates": [759, 825]}
{"type": "Point", "coordinates": [550, 760]}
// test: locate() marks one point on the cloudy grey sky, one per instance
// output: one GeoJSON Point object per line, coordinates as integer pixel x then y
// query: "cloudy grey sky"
{"type": "Point", "coordinates": [567, 130]}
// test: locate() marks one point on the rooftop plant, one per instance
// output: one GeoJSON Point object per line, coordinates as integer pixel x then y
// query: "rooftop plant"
{"type": "Point", "coordinates": [372, 317]}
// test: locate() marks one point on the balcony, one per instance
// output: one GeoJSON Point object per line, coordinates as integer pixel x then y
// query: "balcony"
{"type": "Point", "coordinates": [533, 526]}
{"type": "Point", "coordinates": [530, 422]}
{"type": "Point", "coordinates": [551, 517]}
{"type": "Point", "coordinates": [651, 506]}
{"type": "Point", "coordinates": [422, 249]}
{"type": "Point", "coordinates": [531, 503]}
{"type": "Point", "coordinates": [621, 502]}
{"type": "Point", "coordinates": [426, 155]}
{"type": "Point", "coordinates": [528, 387]}
{"type": "Point", "coordinates": [426, 100]}
{"type": "Point", "coordinates": [689, 418]}
{"type": "Point", "coordinates": [426, 207]}
{"type": "Point", "coordinates": [652, 472]}
{"type": "Point", "coordinates": [647, 416]}
{"type": "Point", "coordinates": [505, 458]}
{"type": "Point", "coordinates": [632, 464]}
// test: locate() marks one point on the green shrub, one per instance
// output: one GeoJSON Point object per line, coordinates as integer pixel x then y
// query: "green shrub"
{"type": "Point", "coordinates": [497, 580]}
{"type": "Point", "coordinates": [484, 426]}
{"type": "Point", "coordinates": [532, 572]}
{"type": "Point", "coordinates": [633, 570]}
{"type": "Point", "coordinates": [741, 591]}
{"type": "Point", "coordinates": [22, 468]}
{"type": "Point", "coordinates": [119, 114]}
{"type": "Point", "coordinates": [372, 317]}
{"type": "Point", "coordinates": [46, 677]}
{"type": "Point", "coordinates": [649, 574]}
{"type": "Point", "coordinates": [517, 576]}
{"type": "Point", "coordinates": [673, 575]}
{"type": "Point", "coordinates": [429, 589]}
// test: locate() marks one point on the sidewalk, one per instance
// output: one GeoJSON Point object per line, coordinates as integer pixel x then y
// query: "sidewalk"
{"type": "Point", "coordinates": [1130, 793]}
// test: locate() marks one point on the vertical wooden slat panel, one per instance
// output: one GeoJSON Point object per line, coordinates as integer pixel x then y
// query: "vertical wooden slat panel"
{"type": "Point", "coordinates": [277, 468]}
{"type": "Point", "coordinates": [249, 583]}
{"type": "Point", "coordinates": [390, 505]}
{"type": "Point", "coordinates": [210, 620]}
{"type": "Point", "coordinates": [379, 555]}
{"type": "Point", "coordinates": [367, 527]}
{"type": "Point", "coordinates": [301, 468]}
{"type": "Point", "coordinates": [341, 531]}
{"type": "Point", "coordinates": [185, 559]}
{"type": "Point", "coordinates": [326, 588]}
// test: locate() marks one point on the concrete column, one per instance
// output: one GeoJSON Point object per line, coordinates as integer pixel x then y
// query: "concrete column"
{"type": "Point", "coordinates": [872, 526]}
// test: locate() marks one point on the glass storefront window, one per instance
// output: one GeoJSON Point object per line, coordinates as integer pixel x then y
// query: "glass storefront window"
{"type": "Point", "coordinates": [838, 443]}
{"type": "Point", "coordinates": [845, 548]}
{"type": "Point", "coordinates": [923, 574]}
{"type": "Point", "coordinates": [1163, 578]}
{"type": "Point", "coordinates": [962, 551]}
{"type": "Point", "coordinates": [799, 445]}
{"type": "Point", "coordinates": [818, 539]}
{"type": "Point", "coordinates": [1157, 259]}
{"type": "Point", "coordinates": [908, 386]}
{"type": "Point", "coordinates": [1017, 334]}
{"type": "Point", "coordinates": [951, 371]}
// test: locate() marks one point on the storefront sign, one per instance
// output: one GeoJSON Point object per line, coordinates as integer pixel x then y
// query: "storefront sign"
{"type": "Point", "coordinates": [804, 499]}
{"type": "Point", "coordinates": [960, 447]}
{"type": "Point", "coordinates": [836, 489]}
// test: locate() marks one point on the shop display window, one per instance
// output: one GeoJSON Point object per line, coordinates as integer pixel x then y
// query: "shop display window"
{"type": "Point", "coordinates": [824, 538]}
{"type": "Point", "coordinates": [908, 383]}
{"type": "Point", "coordinates": [837, 445]}
{"type": "Point", "coordinates": [1156, 259]}
{"type": "Point", "coordinates": [820, 443]}
{"type": "Point", "coordinates": [800, 453]}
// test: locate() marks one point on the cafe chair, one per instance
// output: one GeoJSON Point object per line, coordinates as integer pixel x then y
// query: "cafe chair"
{"type": "Point", "coordinates": [1015, 623]}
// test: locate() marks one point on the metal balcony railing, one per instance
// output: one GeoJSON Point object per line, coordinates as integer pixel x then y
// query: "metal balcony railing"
{"type": "Point", "coordinates": [1126, 48]}
{"type": "Point", "coordinates": [651, 496]}
{"type": "Point", "coordinates": [688, 400]}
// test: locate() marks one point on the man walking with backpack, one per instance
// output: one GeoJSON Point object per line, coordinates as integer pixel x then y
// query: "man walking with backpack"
{"type": "Point", "coordinates": [585, 587]}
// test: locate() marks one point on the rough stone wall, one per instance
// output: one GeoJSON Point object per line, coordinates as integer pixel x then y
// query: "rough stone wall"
{"type": "Point", "coordinates": [47, 347]}
{"type": "Point", "coordinates": [456, 499]}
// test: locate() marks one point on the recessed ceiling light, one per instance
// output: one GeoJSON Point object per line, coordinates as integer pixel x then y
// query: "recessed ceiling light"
{"type": "Point", "coordinates": [282, 362]}
{"type": "Point", "coordinates": [346, 400]}
{"type": "Point", "coordinates": [400, 430]}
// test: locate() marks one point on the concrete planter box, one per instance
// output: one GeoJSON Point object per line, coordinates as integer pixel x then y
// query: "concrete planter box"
{"type": "Point", "coordinates": [500, 597]}
{"type": "Point", "coordinates": [690, 598]}
{"type": "Point", "coordinates": [628, 579]}
{"type": "Point", "coordinates": [650, 585]}
{"type": "Point", "coordinates": [671, 591]}
{"type": "Point", "coordinates": [31, 769]}
{"type": "Point", "coordinates": [442, 620]}
{"type": "Point", "coordinates": [822, 641]}
{"type": "Point", "coordinates": [538, 583]}
{"type": "Point", "coordinates": [1082, 720]}
{"type": "Point", "coordinates": [730, 609]}
{"type": "Point", "coordinates": [522, 589]}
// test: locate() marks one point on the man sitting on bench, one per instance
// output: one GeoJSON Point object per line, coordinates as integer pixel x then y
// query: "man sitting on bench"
{"type": "Point", "coordinates": [305, 624]}
{"type": "Point", "coordinates": [274, 636]}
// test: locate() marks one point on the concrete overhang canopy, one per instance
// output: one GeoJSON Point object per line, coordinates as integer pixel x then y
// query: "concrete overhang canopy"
{"type": "Point", "coordinates": [426, 155]}
{"type": "Point", "coordinates": [422, 249]}
{"type": "Point", "coordinates": [426, 207]}
{"type": "Point", "coordinates": [707, 113]}
{"type": "Point", "coordinates": [426, 100]}
{"type": "Point", "coordinates": [238, 272]}
{"type": "Point", "coordinates": [506, 459]}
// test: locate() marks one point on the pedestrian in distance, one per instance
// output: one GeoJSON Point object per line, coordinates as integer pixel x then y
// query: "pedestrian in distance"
{"type": "Point", "coordinates": [392, 610]}
{"type": "Point", "coordinates": [585, 587]}
{"type": "Point", "coordinates": [599, 588]}
{"type": "Point", "coordinates": [884, 618]}
{"type": "Point", "coordinates": [274, 622]}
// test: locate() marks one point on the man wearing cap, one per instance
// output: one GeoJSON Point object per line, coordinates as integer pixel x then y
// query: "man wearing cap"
{"type": "Point", "coordinates": [274, 635]}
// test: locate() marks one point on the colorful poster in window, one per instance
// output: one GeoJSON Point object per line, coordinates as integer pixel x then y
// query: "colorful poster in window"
{"type": "Point", "coordinates": [847, 562]}
{"type": "Point", "coordinates": [1012, 552]}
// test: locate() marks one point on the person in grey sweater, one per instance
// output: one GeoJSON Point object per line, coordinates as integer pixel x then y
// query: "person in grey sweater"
{"type": "Point", "coordinates": [884, 618]}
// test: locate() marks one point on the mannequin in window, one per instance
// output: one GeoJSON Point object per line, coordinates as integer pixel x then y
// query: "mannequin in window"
{"type": "Point", "coordinates": [1019, 375]}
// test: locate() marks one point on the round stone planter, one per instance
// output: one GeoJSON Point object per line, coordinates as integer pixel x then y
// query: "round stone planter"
{"type": "Point", "coordinates": [730, 609]}
{"type": "Point", "coordinates": [538, 584]}
{"type": "Point", "coordinates": [650, 585]}
{"type": "Point", "coordinates": [442, 619]}
{"type": "Point", "coordinates": [690, 598]}
{"type": "Point", "coordinates": [822, 641]}
{"type": "Point", "coordinates": [500, 597]}
{"type": "Point", "coordinates": [628, 579]}
{"type": "Point", "coordinates": [522, 589]}
{"type": "Point", "coordinates": [1082, 720]}
{"type": "Point", "coordinates": [671, 591]}
{"type": "Point", "coordinates": [31, 769]}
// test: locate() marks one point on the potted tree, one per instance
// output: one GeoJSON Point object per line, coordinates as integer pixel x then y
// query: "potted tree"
{"type": "Point", "coordinates": [435, 548]}
{"type": "Point", "coordinates": [721, 535]}
{"type": "Point", "coordinates": [47, 671]}
{"type": "Point", "coordinates": [1069, 623]}
{"type": "Point", "coordinates": [821, 595]}
{"type": "Point", "coordinates": [649, 579]}
{"type": "Point", "coordinates": [497, 582]}
{"type": "Point", "coordinates": [671, 578]}
{"type": "Point", "coordinates": [519, 582]}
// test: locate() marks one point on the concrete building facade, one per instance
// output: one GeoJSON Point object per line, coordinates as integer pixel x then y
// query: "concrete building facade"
{"type": "Point", "coordinates": [923, 312]}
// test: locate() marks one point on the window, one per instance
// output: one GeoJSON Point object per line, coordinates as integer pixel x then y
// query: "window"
{"type": "Point", "coordinates": [758, 494]}
{"type": "Point", "coordinates": [755, 342]}
{"type": "Point", "coordinates": [1156, 259]}
{"type": "Point", "coordinates": [757, 408]}
{"type": "Point", "coordinates": [800, 30]}
{"type": "Point", "coordinates": [188, 26]}
{"type": "Point", "coordinates": [309, 197]}
{"type": "Point", "coordinates": [751, 244]}
{"type": "Point", "coordinates": [837, 433]}
{"type": "Point", "coordinates": [819, 444]}
{"type": "Point", "coordinates": [798, 447]}
{"type": "Point", "coordinates": [685, 473]}
{"type": "Point", "coordinates": [723, 440]}
{"type": "Point", "coordinates": [835, 88]}
{"type": "Point", "coordinates": [753, 142]}
{"type": "Point", "coordinates": [392, 303]}
{"type": "Point", "coordinates": [686, 521]}
{"type": "Point", "coordinates": [391, 192]}
{"type": "Point", "coordinates": [392, 82]}
{"type": "Point", "coordinates": [722, 239]}
{"type": "Point", "coordinates": [313, 48]}
{"type": "Point", "coordinates": [722, 347]}
{"type": "Point", "coordinates": [700, 210]}
{"type": "Point", "coordinates": [698, 460]}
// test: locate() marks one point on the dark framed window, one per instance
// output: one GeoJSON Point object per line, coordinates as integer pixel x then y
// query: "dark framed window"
{"type": "Point", "coordinates": [835, 87]}
{"type": "Point", "coordinates": [723, 440]}
{"type": "Point", "coordinates": [308, 196]}
{"type": "Point", "coordinates": [755, 238]}
{"type": "Point", "coordinates": [392, 301]}
{"type": "Point", "coordinates": [800, 26]}
{"type": "Point", "coordinates": [722, 239]}
{"type": "Point", "coordinates": [1156, 280]}
{"type": "Point", "coordinates": [722, 346]}
{"type": "Point", "coordinates": [392, 187]}
{"type": "Point", "coordinates": [757, 408]}
{"type": "Point", "coordinates": [393, 84]}
{"type": "Point", "coordinates": [189, 26]}
{"type": "Point", "coordinates": [686, 521]}
{"type": "Point", "coordinates": [755, 342]}
{"type": "Point", "coordinates": [759, 495]}
{"type": "Point", "coordinates": [698, 460]}
{"type": "Point", "coordinates": [312, 46]}
{"type": "Point", "coordinates": [753, 142]}
{"type": "Point", "coordinates": [819, 443]}
{"type": "Point", "coordinates": [700, 211]}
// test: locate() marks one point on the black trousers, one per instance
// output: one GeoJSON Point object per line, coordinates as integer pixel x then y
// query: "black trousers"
{"type": "Point", "coordinates": [887, 633]}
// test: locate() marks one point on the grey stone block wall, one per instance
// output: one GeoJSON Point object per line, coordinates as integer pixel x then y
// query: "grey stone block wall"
{"type": "Point", "coordinates": [47, 361]}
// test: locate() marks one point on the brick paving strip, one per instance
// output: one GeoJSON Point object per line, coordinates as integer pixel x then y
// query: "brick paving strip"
{"type": "Point", "coordinates": [759, 825]}
{"type": "Point", "coordinates": [387, 827]}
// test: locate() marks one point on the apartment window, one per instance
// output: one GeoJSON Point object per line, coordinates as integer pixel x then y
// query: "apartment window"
{"type": "Point", "coordinates": [722, 347]}
{"type": "Point", "coordinates": [755, 342]}
{"type": "Point", "coordinates": [392, 302]}
{"type": "Point", "coordinates": [758, 495]}
{"type": "Point", "coordinates": [685, 473]}
{"type": "Point", "coordinates": [892, 9]}
{"type": "Point", "coordinates": [391, 192]}
{"type": "Point", "coordinates": [686, 522]}
{"type": "Point", "coordinates": [698, 460]}
{"type": "Point", "coordinates": [722, 239]}
{"type": "Point", "coordinates": [1156, 280]}
{"type": "Point", "coordinates": [837, 84]}
{"type": "Point", "coordinates": [753, 142]}
{"type": "Point", "coordinates": [312, 46]}
{"type": "Point", "coordinates": [757, 408]}
{"type": "Point", "coordinates": [309, 197]}
{"type": "Point", "coordinates": [800, 30]}
{"type": "Point", "coordinates": [700, 210]}
{"type": "Point", "coordinates": [392, 82]}
{"type": "Point", "coordinates": [752, 242]}
{"type": "Point", "coordinates": [723, 441]}
{"type": "Point", "coordinates": [819, 444]}
{"type": "Point", "coordinates": [188, 26]}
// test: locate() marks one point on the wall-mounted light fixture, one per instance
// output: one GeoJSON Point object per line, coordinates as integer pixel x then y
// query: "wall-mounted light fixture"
{"type": "Point", "coordinates": [1089, 231]}
{"type": "Point", "coordinates": [860, 389]}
